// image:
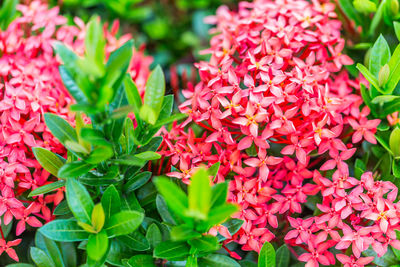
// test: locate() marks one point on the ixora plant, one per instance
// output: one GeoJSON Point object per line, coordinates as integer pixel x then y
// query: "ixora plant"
{"type": "Point", "coordinates": [111, 208]}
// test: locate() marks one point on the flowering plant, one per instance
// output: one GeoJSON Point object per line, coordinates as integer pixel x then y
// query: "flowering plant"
{"type": "Point", "coordinates": [286, 146]}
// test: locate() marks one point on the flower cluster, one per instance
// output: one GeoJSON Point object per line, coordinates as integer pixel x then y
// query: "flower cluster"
{"type": "Point", "coordinates": [30, 85]}
{"type": "Point", "coordinates": [278, 112]}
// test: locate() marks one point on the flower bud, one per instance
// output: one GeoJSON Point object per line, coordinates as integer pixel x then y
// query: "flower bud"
{"type": "Point", "coordinates": [364, 6]}
{"type": "Point", "coordinates": [383, 75]}
{"type": "Point", "coordinates": [394, 7]}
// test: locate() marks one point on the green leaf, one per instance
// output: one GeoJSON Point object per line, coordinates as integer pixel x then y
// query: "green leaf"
{"type": "Point", "coordinates": [129, 160]}
{"type": "Point", "coordinates": [199, 192]}
{"type": "Point", "coordinates": [40, 258]}
{"type": "Point", "coordinates": [74, 169]}
{"type": "Point", "coordinates": [219, 260]}
{"type": "Point", "coordinates": [383, 143]}
{"type": "Point", "coordinates": [183, 233]}
{"type": "Point", "coordinates": [133, 96]}
{"type": "Point", "coordinates": [137, 181]}
{"type": "Point", "coordinates": [130, 202]}
{"type": "Point", "coordinates": [111, 201]}
{"type": "Point", "coordinates": [219, 194]}
{"type": "Point", "coordinates": [50, 247]}
{"type": "Point", "coordinates": [113, 129]}
{"type": "Point", "coordinates": [153, 235]}
{"type": "Point", "coordinates": [148, 114]}
{"type": "Point", "coordinates": [48, 160]}
{"type": "Point", "coordinates": [155, 90]}
{"type": "Point", "coordinates": [382, 99]}
{"type": "Point", "coordinates": [87, 227]}
{"type": "Point", "coordinates": [394, 142]}
{"type": "Point", "coordinates": [175, 117]}
{"type": "Point", "coordinates": [97, 245]}
{"type": "Point", "coordinates": [95, 43]}
{"type": "Point", "coordinates": [68, 56]}
{"type": "Point", "coordinates": [359, 168]}
{"type": "Point", "coordinates": [396, 25]}
{"type": "Point", "coordinates": [99, 154]}
{"type": "Point", "coordinates": [98, 217]}
{"type": "Point", "coordinates": [380, 55]}
{"type": "Point", "coordinates": [135, 241]}
{"type": "Point", "coordinates": [118, 64]}
{"type": "Point", "coordinates": [283, 256]}
{"type": "Point", "coordinates": [171, 250]}
{"type": "Point", "coordinates": [95, 137]}
{"type": "Point", "coordinates": [60, 128]}
{"type": "Point", "coordinates": [207, 243]}
{"type": "Point", "coordinates": [20, 265]}
{"type": "Point", "coordinates": [69, 254]}
{"type": "Point", "coordinates": [175, 198]}
{"type": "Point", "coordinates": [191, 261]}
{"type": "Point", "coordinates": [7, 13]}
{"type": "Point", "coordinates": [148, 155]}
{"type": "Point", "coordinates": [64, 231]}
{"type": "Point", "coordinates": [364, 6]}
{"type": "Point", "coordinates": [350, 11]}
{"type": "Point", "coordinates": [46, 188]}
{"type": "Point", "coordinates": [396, 168]}
{"type": "Point", "coordinates": [163, 210]}
{"type": "Point", "coordinates": [79, 201]}
{"type": "Point", "coordinates": [129, 135]}
{"type": "Point", "coordinates": [394, 66]}
{"type": "Point", "coordinates": [124, 222]}
{"type": "Point", "coordinates": [141, 260]}
{"type": "Point", "coordinates": [62, 208]}
{"type": "Point", "coordinates": [153, 145]}
{"type": "Point", "coordinates": [73, 88]}
{"type": "Point", "coordinates": [221, 213]}
{"type": "Point", "coordinates": [369, 76]}
{"type": "Point", "coordinates": [266, 258]}
{"type": "Point", "coordinates": [213, 170]}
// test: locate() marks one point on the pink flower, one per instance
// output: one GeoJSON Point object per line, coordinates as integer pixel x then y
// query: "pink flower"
{"type": "Point", "coordinates": [351, 261]}
{"type": "Point", "coordinates": [262, 162]}
{"type": "Point", "coordinates": [6, 247]}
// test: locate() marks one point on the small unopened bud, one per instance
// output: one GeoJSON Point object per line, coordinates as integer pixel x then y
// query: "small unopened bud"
{"type": "Point", "coordinates": [364, 6]}
{"type": "Point", "coordinates": [383, 75]}
{"type": "Point", "coordinates": [394, 7]}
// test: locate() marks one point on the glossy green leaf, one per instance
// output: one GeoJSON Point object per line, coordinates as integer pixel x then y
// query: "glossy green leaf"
{"type": "Point", "coordinates": [364, 6]}
{"type": "Point", "coordinates": [221, 213]}
{"type": "Point", "coordinates": [130, 202]}
{"type": "Point", "coordinates": [396, 26]}
{"type": "Point", "coordinates": [394, 142]}
{"type": "Point", "coordinates": [124, 222]}
{"type": "Point", "coordinates": [137, 181]}
{"type": "Point", "coordinates": [46, 188]}
{"type": "Point", "coordinates": [380, 55]}
{"type": "Point", "coordinates": [129, 160]}
{"type": "Point", "coordinates": [154, 95]}
{"type": "Point", "coordinates": [163, 210]}
{"type": "Point", "coordinates": [219, 194]}
{"type": "Point", "coordinates": [175, 117]}
{"type": "Point", "coordinates": [183, 232]}
{"type": "Point", "coordinates": [48, 160]}
{"type": "Point", "coordinates": [153, 145]}
{"type": "Point", "coordinates": [64, 231]}
{"type": "Point", "coordinates": [132, 94]}
{"type": "Point", "coordinates": [350, 11]}
{"type": "Point", "coordinates": [383, 143]}
{"type": "Point", "coordinates": [74, 169]}
{"type": "Point", "coordinates": [171, 250]}
{"type": "Point", "coordinates": [397, 251]}
{"type": "Point", "coordinates": [60, 128]}
{"type": "Point", "coordinates": [129, 133]}
{"type": "Point", "coordinates": [382, 99]}
{"type": "Point", "coordinates": [213, 170]}
{"type": "Point", "coordinates": [95, 137]}
{"type": "Point", "coordinates": [50, 247]}
{"type": "Point", "coordinates": [62, 208]}
{"type": "Point", "coordinates": [213, 260]}
{"type": "Point", "coordinates": [68, 251]}
{"type": "Point", "coordinates": [95, 43]}
{"type": "Point", "coordinates": [7, 13]}
{"type": "Point", "coordinates": [79, 201]}
{"type": "Point", "coordinates": [67, 55]}
{"type": "Point", "coordinates": [73, 88]}
{"type": "Point", "coordinates": [283, 256]}
{"type": "Point", "coordinates": [369, 76]}
{"type": "Point", "coordinates": [135, 241]}
{"type": "Point", "coordinates": [99, 154]}
{"type": "Point", "coordinates": [148, 155]}
{"type": "Point", "coordinates": [98, 217]}
{"type": "Point", "coordinates": [111, 201]}
{"type": "Point", "coordinates": [394, 66]}
{"type": "Point", "coordinates": [267, 257]}
{"type": "Point", "coordinates": [233, 226]}
{"type": "Point", "coordinates": [153, 235]}
{"type": "Point", "coordinates": [40, 258]}
{"type": "Point", "coordinates": [97, 245]}
{"type": "Point", "coordinates": [199, 192]}
{"type": "Point", "coordinates": [396, 168]}
{"type": "Point", "coordinates": [175, 198]}
{"type": "Point", "coordinates": [206, 243]}
{"type": "Point", "coordinates": [141, 260]}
